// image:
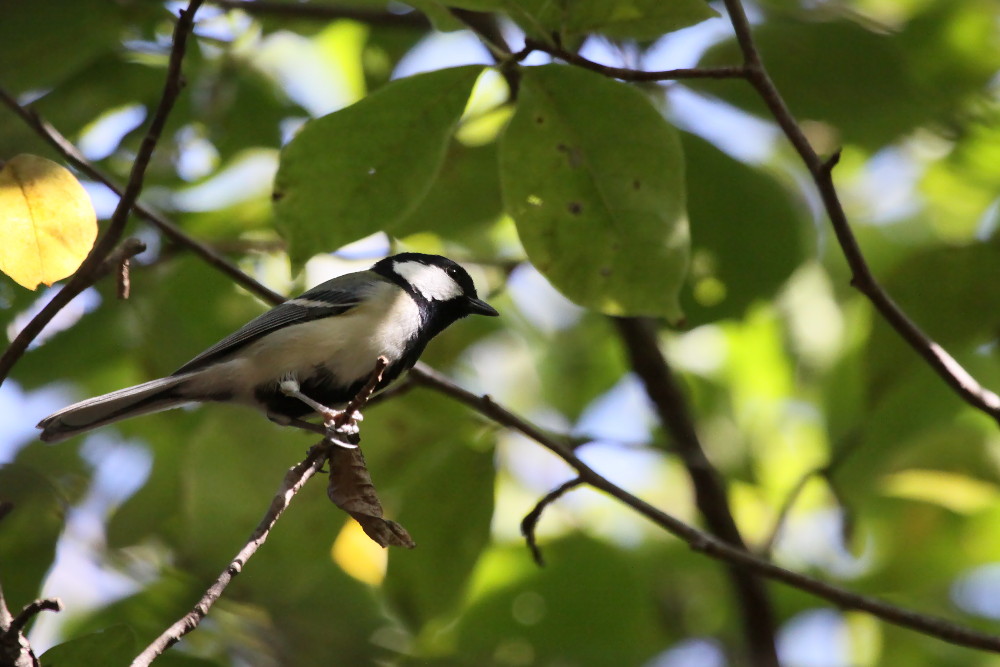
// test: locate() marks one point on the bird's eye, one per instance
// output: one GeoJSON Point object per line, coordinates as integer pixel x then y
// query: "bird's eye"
{"type": "Point", "coordinates": [452, 271]}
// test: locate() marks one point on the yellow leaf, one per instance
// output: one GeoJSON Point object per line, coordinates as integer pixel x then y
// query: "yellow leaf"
{"type": "Point", "coordinates": [358, 556]}
{"type": "Point", "coordinates": [47, 222]}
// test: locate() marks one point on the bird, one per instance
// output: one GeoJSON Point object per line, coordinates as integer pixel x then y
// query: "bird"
{"type": "Point", "coordinates": [308, 353]}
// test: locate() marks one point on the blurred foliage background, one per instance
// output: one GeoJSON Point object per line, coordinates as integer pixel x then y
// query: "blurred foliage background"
{"type": "Point", "coordinates": [819, 417]}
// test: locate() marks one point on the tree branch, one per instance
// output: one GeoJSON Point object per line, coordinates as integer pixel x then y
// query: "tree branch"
{"type": "Point", "coordinates": [640, 339]}
{"type": "Point", "coordinates": [711, 546]}
{"type": "Point", "coordinates": [84, 276]}
{"type": "Point", "coordinates": [960, 380]}
{"type": "Point", "coordinates": [15, 650]}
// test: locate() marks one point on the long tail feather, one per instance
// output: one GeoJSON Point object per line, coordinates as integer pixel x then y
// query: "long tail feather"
{"type": "Point", "coordinates": [129, 402]}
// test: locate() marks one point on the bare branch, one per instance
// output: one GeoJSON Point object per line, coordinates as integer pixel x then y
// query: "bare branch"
{"type": "Point", "coordinates": [713, 547]}
{"type": "Point", "coordinates": [530, 521]}
{"type": "Point", "coordinates": [84, 276]}
{"type": "Point", "coordinates": [31, 610]}
{"type": "Point", "coordinates": [959, 379]}
{"type": "Point", "coordinates": [15, 650]}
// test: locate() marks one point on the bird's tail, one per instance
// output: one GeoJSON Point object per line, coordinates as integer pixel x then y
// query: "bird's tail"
{"type": "Point", "coordinates": [129, 402]}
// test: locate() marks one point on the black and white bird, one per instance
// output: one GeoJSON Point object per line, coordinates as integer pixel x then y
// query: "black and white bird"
{"type": "Point", "coordinates": [320, 347]}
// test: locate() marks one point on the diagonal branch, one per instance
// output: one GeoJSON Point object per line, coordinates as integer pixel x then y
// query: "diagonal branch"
{"type": "Point", "coordinates": [932, 626]}
{"type": "Point", "coordinates": [84, 276]}
{"type": "Point", "coordinates": [648, 362]}
{"type": "Point", "coordinates": [959, 379]}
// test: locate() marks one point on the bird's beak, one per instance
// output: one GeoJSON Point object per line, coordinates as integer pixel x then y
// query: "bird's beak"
{"type": "Point", "coordinates": [480, 307]}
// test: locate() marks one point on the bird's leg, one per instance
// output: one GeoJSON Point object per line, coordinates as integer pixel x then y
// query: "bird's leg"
{"type": "Point", "coordinates": [333, 420]}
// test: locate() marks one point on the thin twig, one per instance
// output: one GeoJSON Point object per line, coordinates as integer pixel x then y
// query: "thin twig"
{"type": "Point", "coordinates": [84, 276]}
{"type": "Point", "coordinates": [953, 373]}
{"type": "Point", "coordinates": [786, 508]}
{"type": "Point", "coordinates": [294, 480]}
{"type": "Point", "coordinates": [15, 650]}
{"type": "Point", "coordinates": [530, 520]}
{"type": "Point", "coordinates": [713, 547]}
{"type": "Point", "coordinates": [626, 74]}
{"type": "Point", "coordinates": [31, 610]}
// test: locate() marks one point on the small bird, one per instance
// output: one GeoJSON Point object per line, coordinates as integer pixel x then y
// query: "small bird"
{"type": "Point", "coordinates": [311, 352]}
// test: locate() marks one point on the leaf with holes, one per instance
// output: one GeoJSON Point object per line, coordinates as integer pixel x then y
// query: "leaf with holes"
{"type": "Point", "coordinates": [47, 223]}
{"type": "Point", "coordinates": [365, 168]}
{"type": "Point", "coordinates": [594, 178]}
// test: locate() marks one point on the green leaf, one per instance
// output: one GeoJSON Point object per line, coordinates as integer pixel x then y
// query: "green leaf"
{"type": "Point", "coordinates": [364, 168]}
{"type": "Point", "coordinates": [597, 191]}
{"type": "Point", "coordinates": [113, 646]}
{"type": "Point", "coordinates": [824, 71]}
{"type": "Point", "coordinates": [47, 40]}
{"type": "Point", "coordinates": [621, 19]}
{"type": "Point", "coordinates": [465, 195]}
{"type": "Point", "coordinates": [447, 505]}
{"type": "Point", "coordinates": [634, 19]}
{"type": "Point", "coordinates": [747, 237]}
{"type": "Point", "coordinates": [593, 605]}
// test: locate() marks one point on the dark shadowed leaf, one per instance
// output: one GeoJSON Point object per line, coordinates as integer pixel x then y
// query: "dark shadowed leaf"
{"type": "Point", "coordinates": [114, 646]}
{"type": "Point", "coordinates": [746, 234]}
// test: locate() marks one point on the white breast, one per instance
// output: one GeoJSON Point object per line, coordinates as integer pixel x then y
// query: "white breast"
{"type": "Point", "coordinates": [347, 344]}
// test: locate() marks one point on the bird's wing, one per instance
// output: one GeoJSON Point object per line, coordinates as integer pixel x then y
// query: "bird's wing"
{"type": "Point", "coordinates": [329, 299]}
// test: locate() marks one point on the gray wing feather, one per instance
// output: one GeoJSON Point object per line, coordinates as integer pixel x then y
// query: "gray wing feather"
{"type": "Point", "coordinates": [329, 299]}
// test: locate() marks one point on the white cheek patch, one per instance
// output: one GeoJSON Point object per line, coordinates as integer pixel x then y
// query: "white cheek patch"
{"type": "Point", "coordinates": [433, 283]}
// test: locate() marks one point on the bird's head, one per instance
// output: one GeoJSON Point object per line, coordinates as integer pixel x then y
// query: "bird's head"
{"type": "Point", "coordinates": [435, 282]}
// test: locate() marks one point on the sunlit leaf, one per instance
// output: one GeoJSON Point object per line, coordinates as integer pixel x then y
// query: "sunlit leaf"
{"type": "Point", "coordinates": [47, 223]}
{"type": "Point", "coordinates": [358, 555]}
{"type": "Point", "coordinates": [364, 168]}
{"type": "Point", "coordinates": [597, 191]}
